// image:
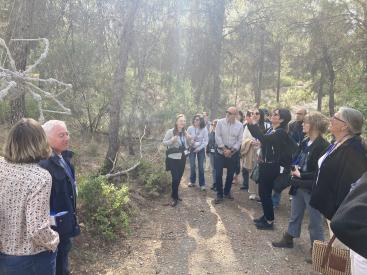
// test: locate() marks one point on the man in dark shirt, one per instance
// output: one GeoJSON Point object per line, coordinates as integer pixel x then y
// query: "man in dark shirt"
{"type": "Point", "coordinates": [296, 126]}
{"type": "Point", "coordinates": [63, 191]}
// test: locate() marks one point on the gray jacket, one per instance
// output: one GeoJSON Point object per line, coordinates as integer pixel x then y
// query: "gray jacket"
{"type": "Point", "coordinates": [199, 137]}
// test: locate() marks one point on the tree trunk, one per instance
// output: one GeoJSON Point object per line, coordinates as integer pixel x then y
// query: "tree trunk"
{"type": "Point", "coordinates": [216, 25]}
{"type": "Point", "coordinates": [20, 26]}
{"type": "Point", "coordinates": [320, 89]}
{"type": "Point", "coordinates": [331, 73]}
{"type": "Point", "coordinates": [260, 72]}
{"type": "Point", "coordinates": [279, 71]}
{"type": "Point", "coordinates": [125, 42]}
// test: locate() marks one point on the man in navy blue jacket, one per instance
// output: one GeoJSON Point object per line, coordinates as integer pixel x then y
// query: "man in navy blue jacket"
{"type": "Point", "coordinates": [63, 192]}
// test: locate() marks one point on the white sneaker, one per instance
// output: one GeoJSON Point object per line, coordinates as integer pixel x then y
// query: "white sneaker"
{"type": "Point", "coordinates": [202, 188]}
{"type": "Point", "coordinates": [191, 184]}
{"type": "Point", "coordinates": [252, 197]}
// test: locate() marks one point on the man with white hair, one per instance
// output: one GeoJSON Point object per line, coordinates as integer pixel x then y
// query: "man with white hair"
{"type": "Point", "coordinates": [63, 192]}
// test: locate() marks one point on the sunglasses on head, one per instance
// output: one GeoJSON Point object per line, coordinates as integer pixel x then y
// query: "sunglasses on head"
{"type": "Point", "coordinates": [230, 113]}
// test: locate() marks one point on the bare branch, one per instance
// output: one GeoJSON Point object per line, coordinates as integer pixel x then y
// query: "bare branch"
{"type": "Point", "coordinates": [4, 92]}
{"type": "Point", "coordinates": [11, 59]}
{"type": "Point", "coordinates": [109, 176]}
{"type": "Point", "coordinates": [42, 56]}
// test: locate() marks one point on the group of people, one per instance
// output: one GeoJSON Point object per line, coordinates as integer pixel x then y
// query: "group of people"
{"type": "Point", "coordinates": [276, 153]}
{"type": "Point", "coordinates": [37, 200]}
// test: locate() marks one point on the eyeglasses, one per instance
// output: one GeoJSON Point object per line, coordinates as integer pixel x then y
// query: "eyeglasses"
{"type": "Point", "coordinates": [338, 119]}
{"type": "Point", "coordinates": [275, 114]}
{"type": "Point", "coordinates": [301, 114]}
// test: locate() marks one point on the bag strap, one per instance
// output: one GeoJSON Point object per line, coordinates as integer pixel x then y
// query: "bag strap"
{"type": "Point", "coordinates": [328, 251]}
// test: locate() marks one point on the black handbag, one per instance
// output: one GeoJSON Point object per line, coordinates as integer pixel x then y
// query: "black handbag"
{"type": "Point", "coordinates": [255, 173]}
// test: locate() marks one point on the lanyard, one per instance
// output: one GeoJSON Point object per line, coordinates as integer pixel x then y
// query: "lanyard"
{"type": "Point", "coordinates": [182, 140]}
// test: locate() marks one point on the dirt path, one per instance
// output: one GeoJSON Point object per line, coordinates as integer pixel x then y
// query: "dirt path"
{"type": "Point", "coordinates": [199, 237]}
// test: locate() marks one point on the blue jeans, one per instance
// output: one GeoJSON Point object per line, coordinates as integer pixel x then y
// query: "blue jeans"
{"type": "Point", "coordinates": [200, 156]}
{"type": "Point", "coordinates": [301, 201]}
{"type": "Point", "coordinates": [43, 263]}
{"type": "Point", "coordinates": [62, 261]}
{"type": "Point", "coordinates": [276, 198]}
{"type": "Point", "coordinates": [222, 162]}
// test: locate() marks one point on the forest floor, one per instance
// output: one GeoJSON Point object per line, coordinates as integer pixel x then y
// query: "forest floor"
{"type": "Point", "coordinates": [197, 237]}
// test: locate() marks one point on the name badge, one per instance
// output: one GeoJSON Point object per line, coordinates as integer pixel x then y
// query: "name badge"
{"type": "Point", "coordinates": [212, 150]}
{"type": "Point", "coordinates": [281, 169]}
{"type": "Point", "coordinates": [186, 152]}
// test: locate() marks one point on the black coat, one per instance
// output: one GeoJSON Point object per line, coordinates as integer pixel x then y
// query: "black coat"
{"type": "Point", "coordinates": [339, 170]}
{"type": "Point", "coordinates": [349, 223]}
{"type": "Point", "coordinates": [296, 131]}
{"type": "Point", "coordinates": [275, 146]}
{"type": "Point", "coordinates": [315, 151]}
{"type": "Point", "coordinates": [63, 194]}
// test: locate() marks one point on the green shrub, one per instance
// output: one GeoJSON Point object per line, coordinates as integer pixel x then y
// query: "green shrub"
{"type": "Point", "coordinates": [104, 207]}
{"type": "Point", "coordinates": [153, 177]}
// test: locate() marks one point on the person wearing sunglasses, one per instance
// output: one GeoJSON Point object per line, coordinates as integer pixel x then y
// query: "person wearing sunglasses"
{"type": "Point", "coordinates": [250, 151]}
{"type": "Point", "coordinates": [295, 126]}
{"type": "Point", "coordinates": [228, 137]}
{"type": "Point", "coordinates": [276, 160]}
{"type": "Point", "coordinates": [343, 163]}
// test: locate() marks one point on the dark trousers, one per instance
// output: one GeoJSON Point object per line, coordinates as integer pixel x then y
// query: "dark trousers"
{"type": "Point", "coordinates": [267, 174]}
{"type": "Point", "coordinates": [62, 260]}
{"type": "Point", "coordinates": [177, 169]}
{"type": "Point", "coordinates": [246, 176]}
{"type": "Point", "coordinates": [43, 263]}
{"type": "Point", "coordinates": [222, 162]}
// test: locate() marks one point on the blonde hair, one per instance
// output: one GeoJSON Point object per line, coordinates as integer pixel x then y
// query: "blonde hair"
{"type": "Point", "coordinates": [317, 121]}
{"type": "Point", "coordinates": [26, 143]}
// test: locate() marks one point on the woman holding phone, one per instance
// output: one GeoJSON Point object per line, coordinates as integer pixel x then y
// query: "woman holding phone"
{"type": "Point", "coordinates": [177, 141]}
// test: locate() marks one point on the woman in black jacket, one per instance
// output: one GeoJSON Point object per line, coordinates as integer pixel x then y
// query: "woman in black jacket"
{"type": "Point", "coordinates": [343, 164]}
{"type": "Point", "coordinates": [304, 175]}
{"type": "Point", "coordinates": [277, 157]}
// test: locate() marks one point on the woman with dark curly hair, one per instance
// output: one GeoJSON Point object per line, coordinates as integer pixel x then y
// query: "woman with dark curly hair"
{"type": "Point", "coordinates": [276, 160]}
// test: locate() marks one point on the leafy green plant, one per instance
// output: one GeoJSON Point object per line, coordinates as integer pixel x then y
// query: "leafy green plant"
{"type": "Point", "coordinates": [153, 176]}
{"type": "Point", "coordinates": [104, 207]}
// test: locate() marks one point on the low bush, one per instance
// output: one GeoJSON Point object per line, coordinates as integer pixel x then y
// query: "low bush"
{"type": "Point", "coordinates": [153, 176]}
{"type": "Point", "coordinates": [103, 207]}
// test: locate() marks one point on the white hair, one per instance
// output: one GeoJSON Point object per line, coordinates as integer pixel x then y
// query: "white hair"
{"type": "Point", "coordinates": [353, 118]}
{"type": "Point", "coordinates": [50, 125]}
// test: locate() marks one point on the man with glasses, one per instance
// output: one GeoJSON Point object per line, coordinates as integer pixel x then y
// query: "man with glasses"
{"type": "Point", "coordinates": [228, 137]}
{"type": "Point", "coordinates": [296, 128]}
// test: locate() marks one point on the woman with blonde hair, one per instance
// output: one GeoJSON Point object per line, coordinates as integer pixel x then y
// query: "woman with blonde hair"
{"type": "Point", "coordinates": [28, 243]}
{"type": "Point", "coordinates": [304, 173]}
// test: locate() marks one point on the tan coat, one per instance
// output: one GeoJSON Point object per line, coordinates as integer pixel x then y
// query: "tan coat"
{"type": "Point", "coordinates": [249, 152]}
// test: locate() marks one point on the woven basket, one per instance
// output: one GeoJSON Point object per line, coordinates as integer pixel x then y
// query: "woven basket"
{"type": "Point", "coordinates": [330, 260]}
